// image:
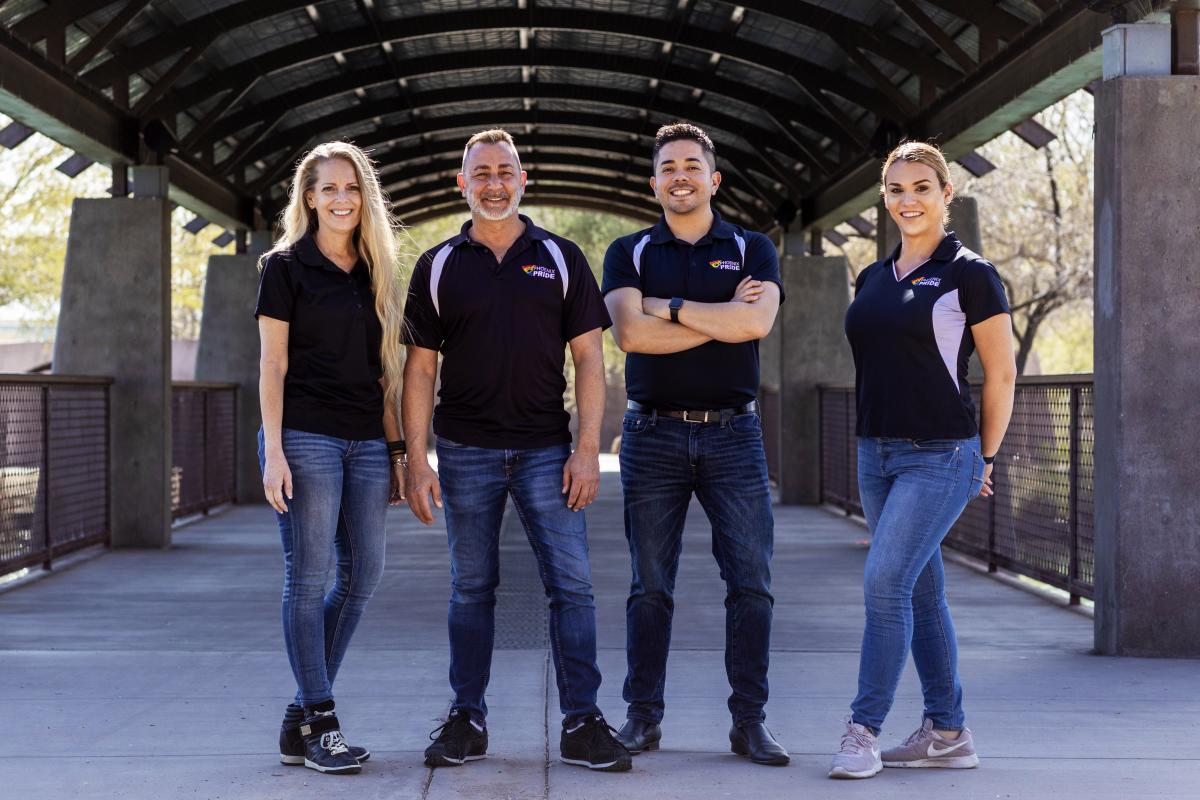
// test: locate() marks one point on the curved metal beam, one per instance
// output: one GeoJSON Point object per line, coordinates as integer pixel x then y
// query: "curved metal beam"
{"type": "Point", "coordinates": [419, 193]}
{"type": "Point", "coordinates": [580, 192]}
{"type": "Point", "coordinates": [447, 164]}
{"type": "Point", "coordinates": [632, 213]}
{"type": "Point", "coordinates": [638, 150]}
{"type": "Point", "coordinates": [786, 63]}
{"type": "Point", "coordinates": [343, 120]}
{"type": "Point", "coordinates": [539, 165]}
{"type": "Point", "coordinates": [782, 109]}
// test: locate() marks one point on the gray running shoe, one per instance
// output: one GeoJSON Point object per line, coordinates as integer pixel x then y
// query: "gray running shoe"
{"type": "Point", "coordinates": [924, 748]}
{"type": "Point", "coordinates": [859, 755]}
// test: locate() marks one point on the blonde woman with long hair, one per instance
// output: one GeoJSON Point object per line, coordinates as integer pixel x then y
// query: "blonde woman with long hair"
{"type": "Point", "coordinates": [329, 322]}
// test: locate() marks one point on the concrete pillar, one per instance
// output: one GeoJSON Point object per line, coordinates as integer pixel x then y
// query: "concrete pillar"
{"type": "Point", "coordinates": [1146, 240]}
{"type": "Point", "coordinates": [964, 221]}
{"type": "Point", "coordinates": [811, 350]}
{"type": "Point", "coordinates": [115, 319]}
{"type": "Point", "coordinates": [228, 350]}
{"type": "Point", "coordinates": [887, 235]}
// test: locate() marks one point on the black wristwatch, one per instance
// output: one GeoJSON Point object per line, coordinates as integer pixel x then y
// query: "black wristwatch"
{"type": "Point", "coordinates": [675, 304]}
{"type": "Point", "coordinates": [987, 459]}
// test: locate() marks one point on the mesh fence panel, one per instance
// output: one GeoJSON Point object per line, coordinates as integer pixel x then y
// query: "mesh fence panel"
{"type": "Point", "coordinates": [54, 468]}
{"type": "Point", "coordinates": [1040, 521]}
{"type": "Point", "coordinates": [202, 446]}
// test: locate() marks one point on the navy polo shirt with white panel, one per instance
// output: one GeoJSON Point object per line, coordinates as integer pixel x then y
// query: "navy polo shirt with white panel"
{"type": "Point", "coordinates": [653, 261]}
{"type": "Point", "coordinates": [912, 342]}
{"type": "Point", "coordinates": [502, 328]}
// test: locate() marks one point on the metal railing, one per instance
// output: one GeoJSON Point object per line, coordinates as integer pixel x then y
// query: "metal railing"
{"type": "Point", "coordinates": [203, 446]}
{"type": "Point", "coordinates": [1039, 523]}
{"type": "Point", "coordinates": [54, 467]}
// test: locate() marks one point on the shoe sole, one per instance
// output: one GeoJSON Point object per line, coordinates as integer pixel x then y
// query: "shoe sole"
{"type": "Point", "coordinates": [958, 762]}
{"type": "Point", "coordinates": [446, 761]}
{"type": "Point", "coordinates": [842, 773]}
{"type": "Point", "coordinates": [298, 761]}
{"type": "Point", "coordinates": [347, 770]}
{"type": "Point", "coordinates": [778, 761]}
{"type": "Point", "coordinates": [611, 766]}
{"type": "Point", "coordinates": [648, 746]}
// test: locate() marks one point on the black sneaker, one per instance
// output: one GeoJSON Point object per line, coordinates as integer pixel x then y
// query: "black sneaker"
{"type": "Point", "coordinates": [325, 749]}
{"type": "Point", "coordinates": [590, 743]}
{"type": "Point", "coordinates": [291, 743]}
{"type": "Point", "coordinates": [456, 741]}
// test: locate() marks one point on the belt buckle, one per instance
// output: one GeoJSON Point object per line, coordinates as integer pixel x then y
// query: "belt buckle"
{"type": "Point", "coordinates": [686, 418]}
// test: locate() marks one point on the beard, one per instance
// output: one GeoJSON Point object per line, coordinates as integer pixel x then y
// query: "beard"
{"type": "Point", "coordinates": [477, 207]}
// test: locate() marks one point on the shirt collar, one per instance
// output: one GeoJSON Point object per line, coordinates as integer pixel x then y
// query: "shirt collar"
{"type": "Point", "coordinates": [720, 229]}
{"type": "Point", "coordinates": [945, 250]}
{"type": "Point", "coordinates": [309, 254]}
{"type": "Point", "coordinates": [531, 232]}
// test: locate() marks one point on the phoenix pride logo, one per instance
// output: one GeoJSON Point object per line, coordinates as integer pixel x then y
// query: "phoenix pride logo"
{"type": "Point", "coordinates": [536, 271]}
{"type": "Point", "coordinates": [927, 282]}
{"type": "Point", "coordinates": [730, 265]}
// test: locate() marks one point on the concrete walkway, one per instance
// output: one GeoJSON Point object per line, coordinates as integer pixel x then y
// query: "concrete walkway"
{"type": "Point", "coordinates": [162, 675]}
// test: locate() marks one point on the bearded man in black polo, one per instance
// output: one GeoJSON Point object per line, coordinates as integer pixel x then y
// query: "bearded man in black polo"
{"type": "Point", "coordinates": [501, 301]}
{"type": "Point", "coordinates": [690, 298]}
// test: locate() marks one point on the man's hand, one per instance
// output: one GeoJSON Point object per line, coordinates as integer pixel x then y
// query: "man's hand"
{"type": "Point", "coordinates": [748, 291]}
{"type": "Point", "coordinates": [581, 479]}
{"type": "Point", "coordinates": [423, 482]}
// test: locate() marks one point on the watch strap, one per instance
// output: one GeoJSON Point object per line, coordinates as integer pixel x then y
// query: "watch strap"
{"type": "Point", "coordinates": [674, 306]}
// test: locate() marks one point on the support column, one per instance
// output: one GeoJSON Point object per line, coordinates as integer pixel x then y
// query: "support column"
{"type": "Point", "coordinates": [115, 319]}
{"type": "Point", "coordinates": [1146, 240]}
{"type": "Point", "coordinates": [812, 350]}
{"type": "Point", "coordinates": [964, 221]}
{"type": "Point", "coordinates": [887, 235]}
{"type": "Point", "coordinates": [228, 350]}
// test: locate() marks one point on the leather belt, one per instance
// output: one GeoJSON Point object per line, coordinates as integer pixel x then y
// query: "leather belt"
{"type": "Point", "coordinates": [697, 416]}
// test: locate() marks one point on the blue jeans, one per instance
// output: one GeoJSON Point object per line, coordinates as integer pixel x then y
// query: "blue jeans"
{"type": "Point", "coordinates": [663, 462]}
{"type": "Point", "coordinates": [912, 493]}
{"type": "Point", "coordinates": [476, 483]}
{"type": "Point", "coordinates": [334, 523]}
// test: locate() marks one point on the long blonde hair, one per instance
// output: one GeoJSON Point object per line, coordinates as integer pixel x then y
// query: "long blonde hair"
{"type": "Point", "coordinates": [375, 240]}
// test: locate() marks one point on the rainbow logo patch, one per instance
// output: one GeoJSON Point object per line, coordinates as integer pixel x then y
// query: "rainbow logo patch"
{"type": "Point", "coordinates": [727, 265]}
{"type": "Point", "coordinates": [927, 282]}
{"type": "Point", "coordinates": [537, 271]}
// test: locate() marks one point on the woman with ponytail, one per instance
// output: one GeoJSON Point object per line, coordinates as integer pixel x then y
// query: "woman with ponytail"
{"type": "Point", "coordinates": [329, 322]}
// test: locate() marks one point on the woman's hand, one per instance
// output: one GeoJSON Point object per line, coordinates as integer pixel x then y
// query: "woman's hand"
{"type": "Point", "coordinates": [399, 476]}
{"type": "Point", "coordinates": [986, 490]}
{"type": "Point", "coordinates": [277, 482]}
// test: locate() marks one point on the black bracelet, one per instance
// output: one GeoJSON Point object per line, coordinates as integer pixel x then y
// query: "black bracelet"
{"type": "Point", "coordinates": [987, 459]}
{"type": "Point", "coordinates": [397, 446]}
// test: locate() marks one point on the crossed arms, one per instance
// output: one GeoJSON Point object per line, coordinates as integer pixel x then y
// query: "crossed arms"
{"type": "Point", "coordinates": [643, 324]}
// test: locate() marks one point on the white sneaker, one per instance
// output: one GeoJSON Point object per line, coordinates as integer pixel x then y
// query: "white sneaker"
{"type": "Point", "coordinates": [859, 754]}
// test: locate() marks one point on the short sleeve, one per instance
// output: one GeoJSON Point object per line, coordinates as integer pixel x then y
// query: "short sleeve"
{"type": "Point", "coordinates": [583, 309]}
{"type": "Point", "coordinates": [981, 292]}
{"type": "Point", "coordinates": [619, 272]}
{"type": "Point", "coordinates": [762, 260]}
{"type": "Point", "coordinates": [422, 325]}
{"type": "Point", "coordinates": [276, 295]}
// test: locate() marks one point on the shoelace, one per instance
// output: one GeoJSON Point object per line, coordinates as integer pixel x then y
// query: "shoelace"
{"type": "Point", "coordinates": [917, 735]}
{"type": "Point", "coordinates": [598, 728]}
{"type": "Point", "coordinates": [854, 741]}
{"type": "Point", "coordinates": [334, 743]}
{"type": "Point", "coordinates": [456, 720]}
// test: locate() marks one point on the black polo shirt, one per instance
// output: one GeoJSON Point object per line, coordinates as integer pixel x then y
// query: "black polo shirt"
{"type": "Point", "coordinates": [715, 374]}
{"type": "Point", "coordinates": [912, 342]}
{"type": "Point", "coordinates": [332, 382]}
{"type": "Point", "coordinates": [502, 329]}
